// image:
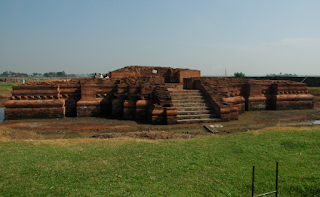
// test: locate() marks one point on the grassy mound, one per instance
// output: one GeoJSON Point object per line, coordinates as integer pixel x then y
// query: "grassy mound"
{"type": "Point", "coordinates": [212, 166]}
{"type": "Point", "coordinates": [315, 91]}
{"type": "Point", "coordinates": [8, 134]}
{"type": "Point", "coordinates": [7, 86]}
{"type": "Point", "coordinates": [5, 92]}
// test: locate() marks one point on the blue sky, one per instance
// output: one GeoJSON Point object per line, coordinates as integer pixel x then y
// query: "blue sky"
{"type": "Point", "coordinates": [257, 37]}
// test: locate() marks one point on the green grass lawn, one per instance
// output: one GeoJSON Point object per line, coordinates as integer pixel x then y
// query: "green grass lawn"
{"type": "Point", "coordinates": [212, 166]}
{"type": "Point", "coordinates": [315, 91]}
{"type": "Point", "coordinates": [36, 78]}
{"type": "Point", "coordinates": [314, 88]}
{"type": "Point", "coordinates": [7, 86]}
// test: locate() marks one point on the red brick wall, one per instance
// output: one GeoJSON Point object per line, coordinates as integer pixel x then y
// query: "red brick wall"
{"type": "Point", "coordinates": [187, 74]}
{"type": "Point", "coordinates": [88, 92]}
{"type": "Point", "coordinates": [169, 74]}
{"type": "Point", "coordinates": [253, 89]}
{"type": "Point", "coordinates": [122, 74]}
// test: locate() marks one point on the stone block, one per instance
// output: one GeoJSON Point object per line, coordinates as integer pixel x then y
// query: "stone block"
{"type": "Point", "coordinates": [252, 106]}
{"type": "Point", "coordinates": [129, 113]}
{"type": "Point", "coordinates": [158, 120]}
{"type": "Point", "coordinates": [142, 104]}
{"type": "Point", "coordinates": [71, 110]}
{"type": "Point", "coordinates": [88, 111]}
{"type": "Point", "coordinates": [106, 109]}
{"type": "Point", "coordinates": [141, 114]}
{"type": "Point", "coordinates": [27, 113]}
{"type": "Point", "coordinates": [302, 104]}
{"type": "Point", "coordinates": [129, 104]}
{"type": "Point", "coordinates": [225, 117]}
{"type": "Point", "coordinates": [34, 103]}
{"type": "Point", "coordinates": [172, 120]}
{"type": "Point", "coordinates": [234, 115]}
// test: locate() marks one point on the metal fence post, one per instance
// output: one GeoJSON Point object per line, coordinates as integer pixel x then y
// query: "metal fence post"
{"type": "Point", "coordinates": [252, 181]}
{"type": "Point", "coordinates": [277, 179]}
{"type": "Point", "coordinates": [272, 192]}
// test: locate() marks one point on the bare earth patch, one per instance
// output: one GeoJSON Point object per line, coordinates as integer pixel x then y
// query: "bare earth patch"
{"type": "Point", "coordinates": [4, 96]}
{"type": "Point", "coordinates": [64, 126]}
{"type": "Point", "coordinates": [153, 135]}
{"type": "Point", "coordinates": [103, 128]}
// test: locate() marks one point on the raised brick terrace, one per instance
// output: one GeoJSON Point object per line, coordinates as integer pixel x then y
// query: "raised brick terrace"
{"type": "Point", "coordinates": [161, 95]}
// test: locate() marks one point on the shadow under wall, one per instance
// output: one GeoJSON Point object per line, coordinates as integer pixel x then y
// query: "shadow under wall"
{"type": "Point", "coordinates": [71, 106]}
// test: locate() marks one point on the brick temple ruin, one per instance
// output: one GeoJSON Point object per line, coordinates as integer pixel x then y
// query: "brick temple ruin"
{"type": "Point", "coordinates": [161, 95]}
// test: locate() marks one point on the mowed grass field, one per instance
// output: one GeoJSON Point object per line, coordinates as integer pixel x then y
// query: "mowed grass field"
{"type": "Point", "coordinates": [7, 86]}
{"type": "Point", "coordinates": [315, 91]}
{"type": "Point", "coordinates": [213, 166]}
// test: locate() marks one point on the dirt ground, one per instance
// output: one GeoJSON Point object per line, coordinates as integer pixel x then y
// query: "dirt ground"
{"type": "Point", "coordinates": [4, 96]}
{"type": "Point", "coordinates": [106, 127]}
{"type": "Point", "coordinates": [153, 135]}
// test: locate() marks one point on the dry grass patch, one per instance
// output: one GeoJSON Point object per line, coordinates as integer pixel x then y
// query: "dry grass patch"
{"type": "Point", "coordinates": [8, 134]}
{"type": "Point", "coordinates": [67, 142]}
{"type": "Point", "coordinates": [284, 129]}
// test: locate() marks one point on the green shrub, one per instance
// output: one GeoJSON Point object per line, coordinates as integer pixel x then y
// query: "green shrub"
{"type": "Point", "coordinates": [239, 74]}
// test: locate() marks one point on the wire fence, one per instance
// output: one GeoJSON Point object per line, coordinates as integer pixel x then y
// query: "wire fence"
{"type": "Point", "coordinates": [267, 193]}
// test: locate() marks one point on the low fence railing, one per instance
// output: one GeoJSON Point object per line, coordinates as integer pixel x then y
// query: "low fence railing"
{"type": "Point", "coordinates": [267, 193]}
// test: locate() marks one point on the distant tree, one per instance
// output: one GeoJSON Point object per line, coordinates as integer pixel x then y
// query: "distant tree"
{"type": "Point", "coordinates": [49, 74]}
{"type": "Point", "coordinates": [72, 75]}
{"type": "Point", "coordinates": [22, 75]}
{"type": "Point", "coordinates": [61, 74]}
{"type": "Point", "coordinates": [239, 74]}
{"type": "Point", "coordinates": [282, 75]}
{"type": "Point", "coordinates": [13, 74]}
{"type": "Point", "coordinates": [4, 74]}
{"type": "Point", "coordinates": [36, 74]}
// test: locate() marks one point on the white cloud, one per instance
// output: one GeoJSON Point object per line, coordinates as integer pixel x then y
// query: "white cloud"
{"type": "Point", "coordinates": [198, 44]}
{"type": "Point", "coordinates": [150, 47]}
{"type": "Point", "coordinates": [299, 42]}
{"type": "Point", "coordinates": [296, 42]}
{"type": "Point", "coordinates": [217, 70]}
{"type": "Point", "coordinates": [250, 48]}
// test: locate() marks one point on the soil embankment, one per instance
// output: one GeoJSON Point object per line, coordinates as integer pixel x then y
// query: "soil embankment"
{"type": "Point", "coordinates": [113, 128]}
{"type": "Point", "coordinates": [4, 96]}
{"type": "Point", "coordinates": [153, 135]}
{"type": "Point", "coordinates": [316, 93]}
{"type": "Point", "coordinates": [105, 127]}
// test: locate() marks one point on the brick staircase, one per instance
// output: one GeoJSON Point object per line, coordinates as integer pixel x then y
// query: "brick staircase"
{"type": "Point", "coordinates": [192, 106]}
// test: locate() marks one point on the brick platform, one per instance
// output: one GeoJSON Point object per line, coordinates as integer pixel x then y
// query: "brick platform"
{"type": "Point", "coordinates": [161, 95]}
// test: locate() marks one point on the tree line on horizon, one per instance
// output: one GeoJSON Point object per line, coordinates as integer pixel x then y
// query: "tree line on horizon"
{"type": "Point", "coordinates": [282, 75]}
{"type": "Point", "coordinates": [35, 74]}
{"type": "Point", "coordinates": [64, 74]}
{"type": "Point", "coordinates": [241, 74]}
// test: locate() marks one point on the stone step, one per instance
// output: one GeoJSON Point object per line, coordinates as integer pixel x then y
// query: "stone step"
{"type": "Point", "coordinates": [186, 95]}
{"type": "Point", "coordinates": [197, 116]}
{"type": "Point", "coordinates": [178, 105]}
{"type": "Point", "coordinates": [186, 121]}
{"type": "Point", "coordinates": [189, 98]}
{"type": "Point", "coordinates": [194, 108]}
{"type": "Point", "coordinates": [196, 112]}
{"type": "Point", "coordinates": [189, 101]}
{"type": "Point", "coordinates": [184, 91]}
